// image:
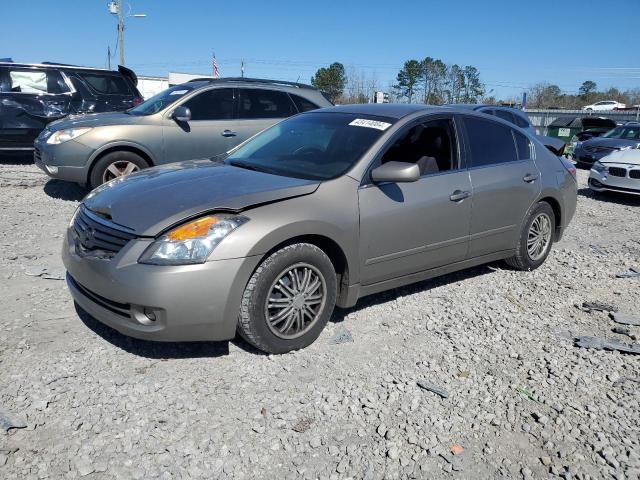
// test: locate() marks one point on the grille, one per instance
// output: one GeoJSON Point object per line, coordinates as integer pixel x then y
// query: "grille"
{"type": "Point", "coordinates": [37, 155]}
{"type": "Point", "coordinates": [122, 309]}
{"type": "Point", "coordinates": [634, 173]}
{"type": "Point", "coordinates": [95, 233]}
{"type": "Point", "coordinates": [596, 149]}
{"type": "Point", "coordinates": [617, 172]}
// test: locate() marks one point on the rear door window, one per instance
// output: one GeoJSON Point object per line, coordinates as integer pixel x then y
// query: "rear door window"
{"type": "Point", "coordinates": [256, 103]}
{"type": "Point", "coordinates": [36, 81]}
{"type": "Point", "coordinates": [106, 84]}
{"type": "Point", "coordinates": [490, 143]}
{"type": "Point", "coordinates": [215, 104]}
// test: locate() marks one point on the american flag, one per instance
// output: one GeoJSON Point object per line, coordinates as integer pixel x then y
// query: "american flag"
{"type": "Point", "coordinates": [216, 71]}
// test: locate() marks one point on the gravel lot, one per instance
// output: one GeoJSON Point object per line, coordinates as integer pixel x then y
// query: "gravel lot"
{"type": "Point", "coordinates": [523, 401]}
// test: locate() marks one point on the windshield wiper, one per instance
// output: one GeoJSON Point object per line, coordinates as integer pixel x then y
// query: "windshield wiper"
{"type": "Point", "coordinates": [251, 166]}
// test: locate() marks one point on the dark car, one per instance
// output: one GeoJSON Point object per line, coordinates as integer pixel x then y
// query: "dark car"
{"type": "Point", "coordinates": [33, 95]}
{"type": "Point", "coordinates": [624, 137]}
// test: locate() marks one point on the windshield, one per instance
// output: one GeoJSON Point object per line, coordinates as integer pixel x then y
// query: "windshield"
{"type": "Point", "coordinates": [315, 146]}
{"type": "Point", "coordinates": [161, 100]}
{"type": "Point", "coordinates": [626, 133]}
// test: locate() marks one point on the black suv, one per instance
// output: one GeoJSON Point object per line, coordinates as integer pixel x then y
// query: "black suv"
{"type": "Point", "coordinates": [32, 95]}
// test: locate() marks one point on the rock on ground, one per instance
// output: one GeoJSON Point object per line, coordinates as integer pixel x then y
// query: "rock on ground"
{"type": "Point", "coordinates": [523, 401]}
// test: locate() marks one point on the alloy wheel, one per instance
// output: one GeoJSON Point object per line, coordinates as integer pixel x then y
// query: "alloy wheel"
{"type": "Point", "coordinates": [295, 301]}
{"type": "Point", "coordinates": [539, 236]}
{"type": "Point", "coordinates": [119, 169]}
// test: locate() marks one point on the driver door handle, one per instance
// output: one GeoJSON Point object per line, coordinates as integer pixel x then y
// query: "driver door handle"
{"type": "Point", "coordinates": [459, 195]}
{"type": "Point", "coordinates": [228, 133]}
{"type": "Point", "coordinates": [530, 177]}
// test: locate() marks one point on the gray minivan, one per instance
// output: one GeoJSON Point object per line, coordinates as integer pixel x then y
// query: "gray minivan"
{"type": "Point", "coordinates": [198, 119]}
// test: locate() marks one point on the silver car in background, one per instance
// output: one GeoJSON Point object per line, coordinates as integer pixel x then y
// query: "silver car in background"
{"type": "Point", "coordinates": [617, 172]}
{"type": "Point", "coordinates": [198, 119]}
{"type": "Point", "coordinates": [317, 211]}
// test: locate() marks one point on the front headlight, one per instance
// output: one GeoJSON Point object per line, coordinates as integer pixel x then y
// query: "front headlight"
{"type": "Point", "coordinates": [67, 134]}
{"type": "Point", "coordinates": [192, 242]}
{"type": "Point", "coordinates": [598, 167]}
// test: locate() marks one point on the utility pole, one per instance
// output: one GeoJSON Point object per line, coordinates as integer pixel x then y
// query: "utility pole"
{"type": "Point", "coordinates": [116, 9]}
{"type": "Point", "coordinates": [108, 57]}
{"type": "Point", "coordinates": [121, 32]}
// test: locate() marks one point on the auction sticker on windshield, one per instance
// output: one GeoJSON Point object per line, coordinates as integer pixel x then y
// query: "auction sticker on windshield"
{"type": "Point", "coordinates": [363, 122]}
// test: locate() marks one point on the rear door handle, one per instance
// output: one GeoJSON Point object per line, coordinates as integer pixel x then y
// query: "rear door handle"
{"type": "Point", "coordinates": [530, 177]}
{"type": "Point", "coordinates": [228, 133]}
{"type": "Point", "coordinates": [459, 195]}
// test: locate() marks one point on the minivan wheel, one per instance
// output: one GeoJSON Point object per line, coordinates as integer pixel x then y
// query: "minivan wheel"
{"type": "Point", "coordinates": [289, 299]}
{"type": "Point", "coordinates": [116, 164]}
{"type": "Point", "coordinates": [536, 238]}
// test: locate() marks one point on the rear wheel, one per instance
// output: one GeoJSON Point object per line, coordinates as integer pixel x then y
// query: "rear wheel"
{"type": "Point", "coordinates": [114, 165]}
{"type": "Point", "coordinates": [289, 299]}
{"type": "Point", "coordinates": [536, 238]}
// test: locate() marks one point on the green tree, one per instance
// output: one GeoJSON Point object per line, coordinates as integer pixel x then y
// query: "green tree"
{"type": "Point", "coordinates": [588, 87]}
{"type": "Point", "coordinates": [330, 80]}
{"type": "Point", "coordinates": [472, 89]}
{"type": "Point", "coordinates": [408, 78]}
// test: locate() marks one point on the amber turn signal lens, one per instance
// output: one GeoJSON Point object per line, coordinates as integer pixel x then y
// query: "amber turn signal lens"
{"type": "Point", "coordinates": [197, 228]}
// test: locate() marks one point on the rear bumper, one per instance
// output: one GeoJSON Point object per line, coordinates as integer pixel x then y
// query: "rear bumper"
{"type": "Point", "coordinates": [161, 303]}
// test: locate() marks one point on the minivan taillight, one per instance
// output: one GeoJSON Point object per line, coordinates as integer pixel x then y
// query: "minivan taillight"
{"type": "Point", "coordinates": [137, 101]}
{"type": "Point", "coordinates": [571, 168]}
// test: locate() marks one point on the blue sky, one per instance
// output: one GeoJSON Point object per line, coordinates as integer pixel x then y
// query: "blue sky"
{"type": "Point", "coordinates": [513, 43]}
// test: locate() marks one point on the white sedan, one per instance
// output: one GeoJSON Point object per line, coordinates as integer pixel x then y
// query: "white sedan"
{"type": "Point", "coordinates": [603, 106]}
{"type": "Point", "coordinates": [617, 172]}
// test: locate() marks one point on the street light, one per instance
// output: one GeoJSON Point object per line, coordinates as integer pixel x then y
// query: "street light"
{"type": "Point", "coordinates": [115, 8]}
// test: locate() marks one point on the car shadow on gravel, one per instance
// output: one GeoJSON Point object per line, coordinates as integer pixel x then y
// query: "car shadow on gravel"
{"type": "Point", "coordinates": [611, 197]}
{"type": "Point", "coordinates": [178, 350]}
{"type": "Point", "coordinates": [156, 350]}
{"type": "Point", "coordinates": [390, 295]}
{"type": "Point", "coordinates": [16, 158]}
{"type": "Point", "coordinates": [65, 190]}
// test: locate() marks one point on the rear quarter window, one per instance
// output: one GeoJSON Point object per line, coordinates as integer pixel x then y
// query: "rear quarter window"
{"type": "Point", "coordinates": [106, 84]}
{"type": "Point", "coordinates": [303, 104]}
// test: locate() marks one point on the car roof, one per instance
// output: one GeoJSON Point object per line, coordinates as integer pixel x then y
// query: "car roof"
{"type": "Point", "coordinates": [478, 106]}
{"type": "Point", "coordinates": [391, 110]}
{"type": "Point", "coordinates": [55, 65]}
{"type": "Point", "coordinates": [252, 82]}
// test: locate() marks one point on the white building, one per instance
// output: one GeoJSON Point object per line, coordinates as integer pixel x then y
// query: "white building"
{"type": "Point", "coordinates": [150, 86]}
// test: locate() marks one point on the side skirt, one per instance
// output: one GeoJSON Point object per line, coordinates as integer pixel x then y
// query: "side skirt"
{"type": "Point", "coordinates": [357, 291]}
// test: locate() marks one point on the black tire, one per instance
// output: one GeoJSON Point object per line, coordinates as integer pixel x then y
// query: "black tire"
{"type": "Point", "coordinates": [523, 260]}
{"type": "Point", "coordinates": [253, 324]}
{"type": "Point", "coordinates": [120, 157]}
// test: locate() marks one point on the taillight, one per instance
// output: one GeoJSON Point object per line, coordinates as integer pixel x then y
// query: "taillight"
{"type": "Point", "coordinates": [137, 101]}
{"type": "Point", "coordinates": [571, 168]}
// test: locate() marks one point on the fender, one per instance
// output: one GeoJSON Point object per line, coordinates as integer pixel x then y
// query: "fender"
{"type": "Point", "coordinates": [120, 143]}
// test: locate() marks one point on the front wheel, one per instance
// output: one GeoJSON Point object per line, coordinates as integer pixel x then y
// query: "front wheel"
{"type": "Point", "coordinates": [289, 299]}
{"type": "Point", "coordinates": [536, 238]}
{"type": "Point", "coordinates": [114, 165]}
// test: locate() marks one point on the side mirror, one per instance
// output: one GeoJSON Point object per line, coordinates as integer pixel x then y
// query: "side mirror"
{"type": "Point", "coordinates": [181, 114]}
{"type": "Point", "coordinates": [397, 172]}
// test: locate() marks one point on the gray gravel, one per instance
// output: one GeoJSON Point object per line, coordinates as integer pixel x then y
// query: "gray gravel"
{"type": "Point", "coordinates": [523, 401]}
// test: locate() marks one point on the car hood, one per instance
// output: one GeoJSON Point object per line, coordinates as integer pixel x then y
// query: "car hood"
{"type": "Point", "coordinates": [610, 142]}
{"type": "Point", "coordinates": [150, 201]}
{"type": "Point", "coordinates": [96, 120]}
{"type": "Point", "coordinates": [625, 157]}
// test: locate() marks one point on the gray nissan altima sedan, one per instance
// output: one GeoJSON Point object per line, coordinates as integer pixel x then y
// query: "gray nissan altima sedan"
{"type": "Point", "coordinates": [317, 211]}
